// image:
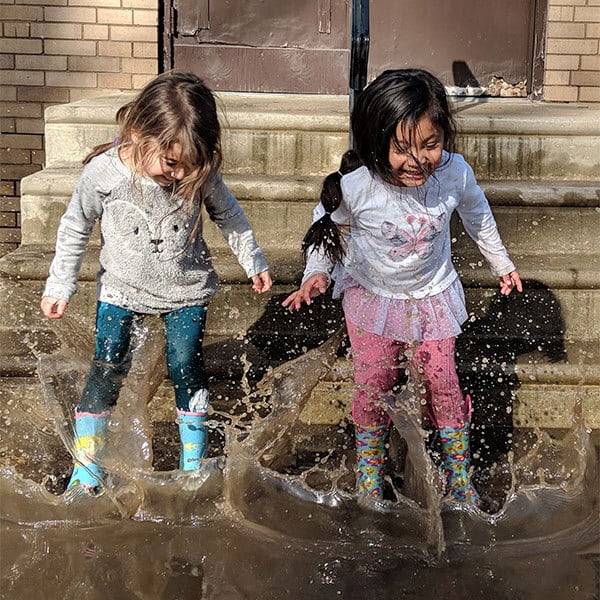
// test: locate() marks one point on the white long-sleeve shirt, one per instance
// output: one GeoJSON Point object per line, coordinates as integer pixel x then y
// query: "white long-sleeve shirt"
{"type": "Point", "coordinates": [398, 240]}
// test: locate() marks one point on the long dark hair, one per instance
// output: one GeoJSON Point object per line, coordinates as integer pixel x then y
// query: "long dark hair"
{"type": "Point", "coordinates": [324, 234]}
{"type": "Point", "coordinates": [398, 96]}
{"type": "Point", "coordinates": [395, 96]}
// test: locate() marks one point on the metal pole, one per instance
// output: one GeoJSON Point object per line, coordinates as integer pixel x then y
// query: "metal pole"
{"type": "Point", "coordinates": [359, 52]}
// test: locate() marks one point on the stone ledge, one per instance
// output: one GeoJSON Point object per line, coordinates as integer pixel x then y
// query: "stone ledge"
{"type": "Point", "coordinates": [30, 262]}
{"type": "Point", "coordinates": [530, 368]}
{"type": "Point", "coordinates": [571, 271]}
{"type": "Point", "coordinates": [328, 112]}
{"type": "Point", "coordinates": [237, 110]}
{"type": "Point", "coordinates": [543, 404]}
{"type": "Point", "coordinates": [542, 193]}
{"type": "Point", "coordinates": [580, 366]}
{"type": "Point", "coordinates": [550, 407]}
{"type": "Point", "coordinates": [563, 271]}
{"type": "Point", "coordinates": [534, 405]}
{"type": "Point", "coordinates": [60, 182]}
{"type": "Point", "coordinates": [523, 117]}
{"type": "Point", "coordinates": [309, 133]}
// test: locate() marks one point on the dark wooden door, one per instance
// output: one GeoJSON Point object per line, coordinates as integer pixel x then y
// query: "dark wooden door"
{"type": "Point", "coordinates": [464, 42]}
{"type": "Point", "coordinates": [263, 45]}
{"type": "Point", "coordinates": [303, 45]}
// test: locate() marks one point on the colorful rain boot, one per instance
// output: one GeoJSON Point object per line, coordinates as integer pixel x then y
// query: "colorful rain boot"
{"type": "Point", "coordinates": [370, 458]}
{"type": "Point", "coordinates": [90, 435]}
{"type": "Point", "coordinates": [192, 431]}
{"type": "Point", "coordinates": [456, 461]}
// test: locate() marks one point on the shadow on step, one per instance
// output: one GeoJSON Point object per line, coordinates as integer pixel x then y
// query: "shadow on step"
{"type": "Point", "coordinates": [529, 323]}
{"type": "Point", "coordinates": [283, 335]}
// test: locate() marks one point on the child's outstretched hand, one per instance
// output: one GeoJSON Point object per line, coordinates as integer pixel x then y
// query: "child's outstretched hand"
{"type": "Point", "coordinates": [510, 281]}
{"type": "Point", "coordinates": [53, 308]}
{"type": "Point", "coordinates": [262, 282]}
{"type": "Point", "coordinates": [313, 286]}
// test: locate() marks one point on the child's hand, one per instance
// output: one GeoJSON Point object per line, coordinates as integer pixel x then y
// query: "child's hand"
{"type": "Point", "coordinates": [262, 282]}
{"type": "Point", "coordinates": [53, 308]}
{"type": "Point", "coordinates": [510, 281]}
{"type": "Point", "coordinates": [313, 286]}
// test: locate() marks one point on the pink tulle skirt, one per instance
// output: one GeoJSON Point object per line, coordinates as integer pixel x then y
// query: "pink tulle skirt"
{"type": "Point", "coordinates": [434, 318]}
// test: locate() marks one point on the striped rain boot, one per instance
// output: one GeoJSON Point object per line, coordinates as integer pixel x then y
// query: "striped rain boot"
{"type": "Point", "coordinates": [456, 462]}
{"type": "Point", "coordinates": [90, 435]}
{"type": "Point", "coordinates": [370, 458]}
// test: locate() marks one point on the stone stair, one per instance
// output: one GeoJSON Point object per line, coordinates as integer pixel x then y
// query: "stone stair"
{"type": "Point", "coordinates": [533, 357]}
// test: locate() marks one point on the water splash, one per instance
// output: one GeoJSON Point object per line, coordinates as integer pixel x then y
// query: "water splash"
{"type": "Point", "coordinates": [249, 498]}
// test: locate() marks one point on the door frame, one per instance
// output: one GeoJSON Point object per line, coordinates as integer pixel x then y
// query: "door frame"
{"type": "Point", "coordinates": [536, 50]}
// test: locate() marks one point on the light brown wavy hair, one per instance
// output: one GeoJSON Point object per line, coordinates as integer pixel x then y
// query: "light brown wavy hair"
{"type": "Point", "coordinates": [173, 108]}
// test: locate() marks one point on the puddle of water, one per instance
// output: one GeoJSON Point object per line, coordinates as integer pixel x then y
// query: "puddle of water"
{"type": "Point", "coordinates": [255, 521]}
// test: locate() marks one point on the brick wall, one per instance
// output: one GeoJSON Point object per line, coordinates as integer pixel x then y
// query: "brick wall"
{"type": "Point", "coordinates": [57, 51]}
{"type": "Point", "coordinates": [572, 72]}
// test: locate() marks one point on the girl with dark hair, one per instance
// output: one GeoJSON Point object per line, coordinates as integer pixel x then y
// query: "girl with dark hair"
{"type": "Point", "coordinates": [402, 297]}
{"type": "Point", "coordinates": [147, 189]}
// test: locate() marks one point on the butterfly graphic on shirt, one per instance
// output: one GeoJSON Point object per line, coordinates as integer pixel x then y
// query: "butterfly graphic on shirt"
{"type": "Point", "coordinates": [417, 238]}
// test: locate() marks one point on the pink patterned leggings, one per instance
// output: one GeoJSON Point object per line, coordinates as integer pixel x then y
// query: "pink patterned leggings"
{"type": "Point", "coordinates": [376, 363]}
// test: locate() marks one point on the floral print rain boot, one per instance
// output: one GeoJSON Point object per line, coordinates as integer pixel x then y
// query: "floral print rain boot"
{"type": "Point", "coordinates": [370, 458]}
{"type": "Point", "coordinates": [456, 461]}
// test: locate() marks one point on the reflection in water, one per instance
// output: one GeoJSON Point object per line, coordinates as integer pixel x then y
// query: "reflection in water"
{"type": "Point", "coordinates": [247, 525]}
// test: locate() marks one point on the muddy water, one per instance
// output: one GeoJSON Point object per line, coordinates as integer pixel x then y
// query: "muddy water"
{"type": "Point", "coordinates": [248, 525]}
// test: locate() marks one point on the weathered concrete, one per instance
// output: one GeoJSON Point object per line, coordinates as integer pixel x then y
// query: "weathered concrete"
{"type": "Point", "coordinates": [304, 135]}
{"type": "Point", "coordinates": [538, 164]}
{"type": "Point", "coordinates": [552, 217]}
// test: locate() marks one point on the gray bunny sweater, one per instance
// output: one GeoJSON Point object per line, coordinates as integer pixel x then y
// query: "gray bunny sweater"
{"type": "Point", "coordinates": [151, 260]}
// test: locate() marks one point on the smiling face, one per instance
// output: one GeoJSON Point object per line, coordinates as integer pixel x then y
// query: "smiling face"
{"type": "Point", "coordinates": [165, 166]}
{"type": "Point", "coordinates": [416, 153]}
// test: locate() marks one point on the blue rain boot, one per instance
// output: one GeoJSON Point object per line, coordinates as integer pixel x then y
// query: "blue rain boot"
{"type": "Point", "coordinates": [90, 435]}
{"type": "Point", "coordinates": [456, 461]}
{"type": "Point", "coordinates": [192, 431]}
{"type": "Point", "coordinates": [370, 458]}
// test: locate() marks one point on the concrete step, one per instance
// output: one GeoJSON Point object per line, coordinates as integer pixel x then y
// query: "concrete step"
{"type": "Point", "coordinates": [533, 405]}
{"type": "Point", "coordinates": [547, 319]}
{"type": "Point", "coordinates": [570, 281]}
{"type": "Point", "coordinates": [533, 216]}
{"type": "Point", "coordinates": [532, 392]}
{"type": "Point", "coordinates": [560, 271]}
{"type": "Point", "coordinates": [303, 135]}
